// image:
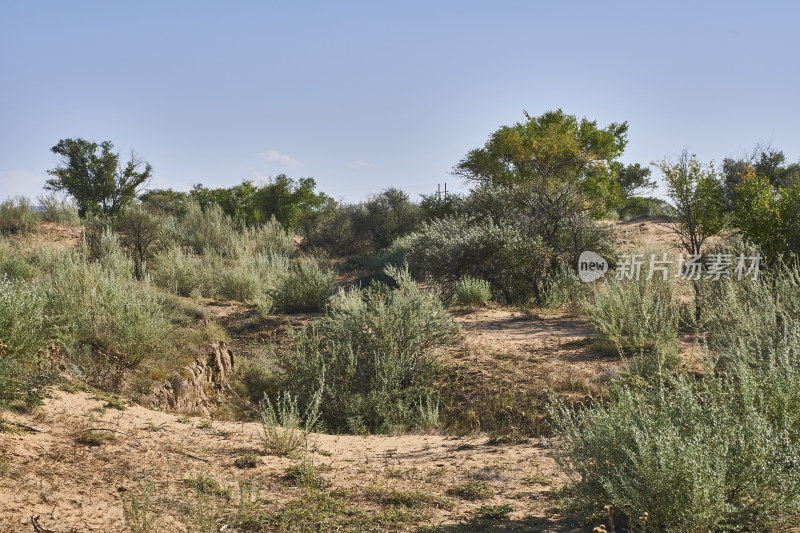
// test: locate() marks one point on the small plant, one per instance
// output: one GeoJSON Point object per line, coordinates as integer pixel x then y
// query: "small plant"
{"type": "Point", "coordinates": [473, 490]}
{"type": "Point", "coordinates": [283, 430]}
{"type": "Point", "coordinates": [94, 438]}
{"type": "Point", "coordinates": [139, 509]}
{"type": "Point", "coordinates": [247, 460]}
{"type": "Point", "coordinates": [494, 512]}
{"type": "Point", "coordinates": [306, 475]}
{"type": "Point", "coordinates": [473, 293]}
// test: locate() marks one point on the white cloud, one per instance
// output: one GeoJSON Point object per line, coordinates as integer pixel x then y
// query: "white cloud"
{"type": "Point", "coordinates": [361, 164]}
{"type": "Point", "coordinates": [21, 183]}
{"type": "Point", "coordinates": [271, 156]}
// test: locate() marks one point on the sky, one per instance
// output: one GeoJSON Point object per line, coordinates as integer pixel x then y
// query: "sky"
{"type": "Point", "coordinates": [363, 96]}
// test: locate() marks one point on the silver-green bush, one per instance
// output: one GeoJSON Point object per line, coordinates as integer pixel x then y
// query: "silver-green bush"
{"type": "Point", "coordinates": [18, 216]}
{"type": "Point", "coordinates": [473, 293]}
{"type": "Point", "coordinates": [307, 287]}
{"type": "Point", "coordinates": [374, 356]}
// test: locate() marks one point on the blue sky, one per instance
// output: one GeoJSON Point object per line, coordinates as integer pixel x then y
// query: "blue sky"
{"type": "Point", "coordinates": [366, 95]}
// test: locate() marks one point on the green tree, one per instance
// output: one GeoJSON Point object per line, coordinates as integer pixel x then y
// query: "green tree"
{"type": "Point", "coordinates": [698, 198]}
{"type": "Point", "coordinates": [767, 215]}
{"type": "Point", "coordinates": [93, 174]}
{"type": "Point", "coordinates": [550, 149]}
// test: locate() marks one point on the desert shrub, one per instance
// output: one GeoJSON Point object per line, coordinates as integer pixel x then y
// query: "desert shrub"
{"type": "Point", "coordinates": [208, 230]}
{"type": "Point", "coordinates": [636, 315]}
{"type": "Point", "coordinates": [111, 323]}
{"type": "Point", "coordinates": [566, 291]}
{"type": "Point", "coordinates": [59, 209]}
{"type": "Point", "coordinates": [332, 232]}
{"type": "Point", "coordinates": [450, 249]}
{"type": "Point", "coordinates": [514, 237]}
{"type": "Point", "coordinates": [184, 273]}
{"type": "Point", "coordinates": [374, 356]}
{"type": "Point", "coordinates": [269, 238]}
{"type": "Point", "coordinates": [637, 206]}
{"type": "Point", "coordinates": [307, 287]}
{"type": "Point", "coordinates": [711, 453]}
{"type": "Point", "coordinates": [24, 334]}
{"type": "Point", "coordinates": [471, 292]}
{"type": "Point", "coordinates": [283, 428]}
{"type": "Point", "coordinates": [15, 267]}
{"type": "Point", "coordinates": [18, 216]}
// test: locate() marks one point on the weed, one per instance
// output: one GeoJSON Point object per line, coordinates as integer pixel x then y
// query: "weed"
{"type": "Point", "coordinates": [494, 512]}
{"type": "Point", "coordinates": [141, 514]}
{"type": "Point", "coordinates": [247, 460]}
{"type": "Point", "coordinates": [94, 438]}
{"type": "Point", "coordinates": [473, 490]}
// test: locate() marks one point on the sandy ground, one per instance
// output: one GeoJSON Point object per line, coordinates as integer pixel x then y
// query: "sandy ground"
{"type": "Point", "coordinates": [75, 487]}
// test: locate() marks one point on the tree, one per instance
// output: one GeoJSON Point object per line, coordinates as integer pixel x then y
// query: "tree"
{"type": "Point", "coordinates": [142, 233]}
{"type": "Point", "coordinates": [763, 161]}
{"type": "Point", "coordinates": [633, 179]}
{"type": "Point", "coordinates": [551, 149]}
{"type": "Point", "coordinates": [767, 215]}
{"type": "Point", "coordinates": [93, 175]}
{"type": "Point", "coordinates": [698, 198]}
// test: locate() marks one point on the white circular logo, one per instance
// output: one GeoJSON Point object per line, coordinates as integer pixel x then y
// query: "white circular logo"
{"type": "Point", "coordinates": [591, 266]}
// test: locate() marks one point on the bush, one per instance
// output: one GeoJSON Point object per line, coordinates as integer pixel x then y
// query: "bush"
{"type": "Point", "coordinates": [712, 453]}
{"type": "Point", "coordinates": [635, 316]}
{"type": "Point", "coordinates": [473, 293]}
{"type": "Point", "coordinates": [185, 273]}
{"type": "Point", "coordinates": [374, 356]}
{"type": "Point", "coordinates": [283, 429]}
{"type": "Point", "coordinates": [111, 323]}
{"type": "Point", "coordinates": [24, 334]}
{"type": "Point", "coordinates": [208, 230]}
{"type": "Point", "coordinates": [307, 287]}
{"type": "Point", "coordinates": [58, 209]}
{"type": "Point", "coordinates": [18, 216]}
{"type": "Point", "coordinates": [514, 237]}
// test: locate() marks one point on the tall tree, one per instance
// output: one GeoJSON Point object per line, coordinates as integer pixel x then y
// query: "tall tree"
{"type": "Point", "coordinates": [550, 150]}
{"type": "Point", "coordinates": [696, 193]}
{"type": "Point", "coordinates": [93, 174]}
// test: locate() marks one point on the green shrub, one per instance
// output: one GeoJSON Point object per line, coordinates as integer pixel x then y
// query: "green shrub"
{"type": "Point", "coordinates": [471, 292]}
{"type": "Point", "coordinates": [566, 291]}
{"type": "Point", "coordinates": [711, 453]}
{"type": "Point", "coordinates": [374, 355]}
{"type": "Point", "coordinates": [450, 249]}
{"type": "Point", "coordinates": [635, 316]}
{"type": "Point", "coordinates": [18, 216]}
{"type": "Point", "coordinates": [283, 429]}
{"type": "Point", "coordinates": [58, 209]}
{"type": "Point", "coordinates": [184, 273]}
{"type": "Point", "coordinates": [307, 287]}
{"type": "Point", "coordinates": [208, 230]}
{"type": "Point", "coordinates": [112, 323]}
{"type": "Point", "coordinates": [269, 239]}
{"type": "Point", "coordinates": [473, 490]}
{"type": "Point", "coordinates": [24, 334]}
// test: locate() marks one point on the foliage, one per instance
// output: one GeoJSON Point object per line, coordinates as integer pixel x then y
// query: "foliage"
{"type": "Point", "coordinates": [283, 429]}
{"type": "Point", "coordinates": [703, 453]}
{"type": "Point", "coordinates": [24, 334]}
{"type": "Point", "coordinates": [473, 490]}
{"type": "Point", "coordinates": [516, 238]}
{"type": "Point", "coordinates": [93, 174]}
{"type": "Point", "coordinates": [307, 287]}
{"type": "Point", "coordinates": [551, 148]}
{"type": "Point", "coordinates": [762, 161]}
{"type": "Point", "coordinates": [58, 209]}
{"type": "Point", "coordinates": [373, 355]}
{"type": "Point", "coordinates": [697, 197]}
{"type": "Point", "coordinates": [471, 292]}
{"type": "Point", "coordinates": [636, 315]}
{"type": "Point", "coordinates": [286, 200]}
{"type": "Point", "coordinates": [767, 215]}
{"type": "Point", "coordinates": [633, 179]}
{"type": "Point", "coordinates": [143, 234]}
{"type": "Point", "coordinates": [18, 216]}
{"type": "Point", "coordinates": [385, 217]}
